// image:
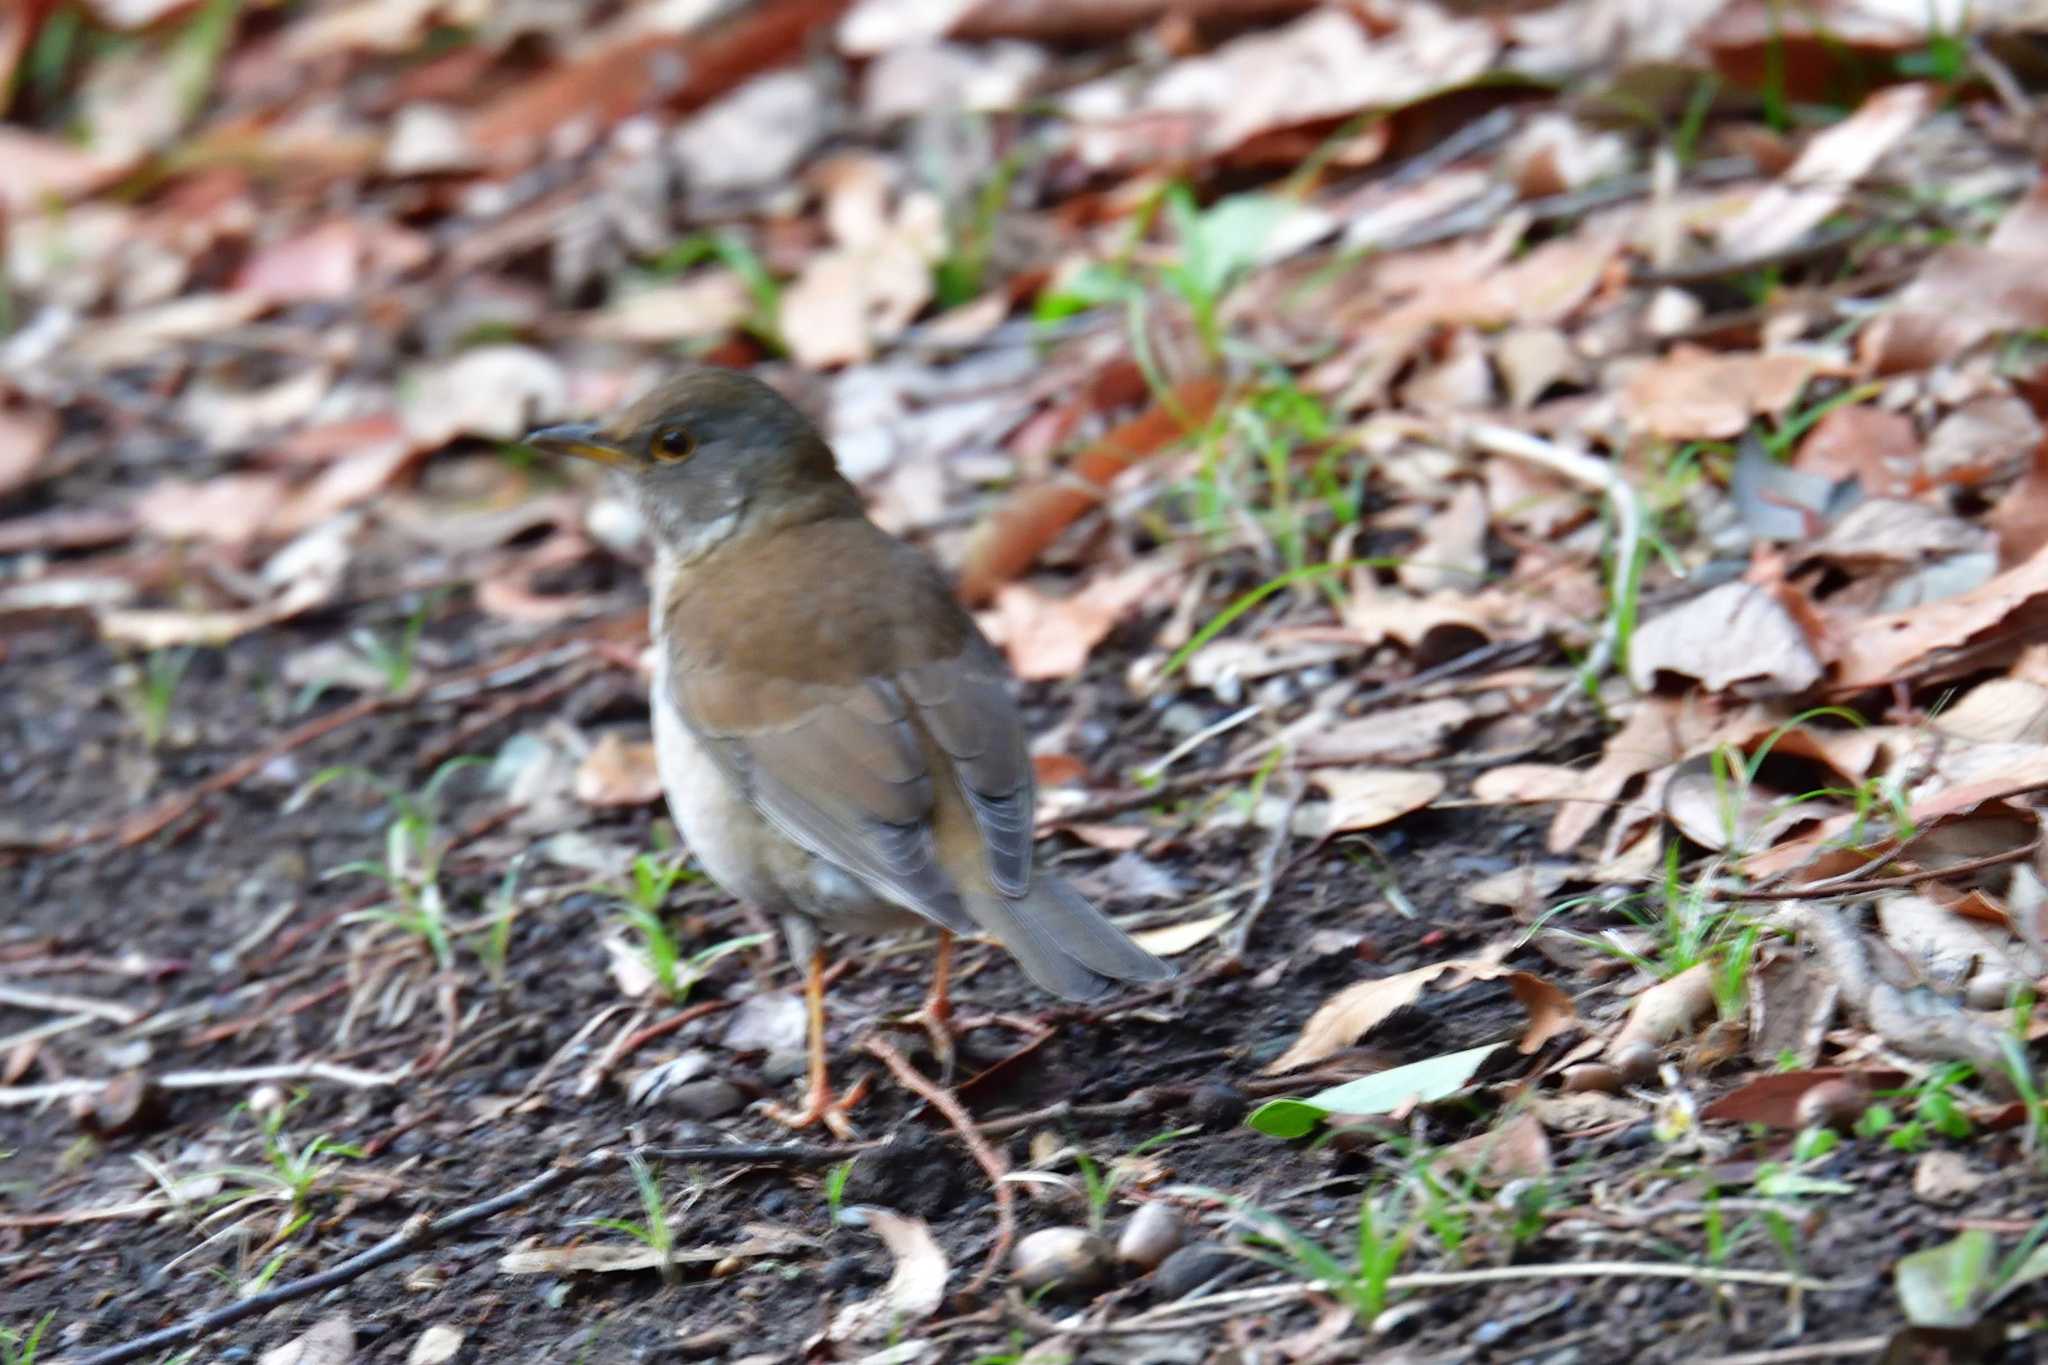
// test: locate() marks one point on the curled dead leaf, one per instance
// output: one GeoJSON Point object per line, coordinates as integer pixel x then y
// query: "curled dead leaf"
{"type": "Point", "coordinates": [915, 1288]}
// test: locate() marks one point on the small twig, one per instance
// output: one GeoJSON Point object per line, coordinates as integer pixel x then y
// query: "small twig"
{"type": "Point", "coordinates": [990, 1160]}
{"type": "Point", "coordinates": [16, 1096]}
{"type": "Point", "coordinates": [1606, 476]}
{"type": "Point", "coordinates": [1169, 1316]}
{"type": "Point", "coordinates": [1862, 1348]}
{"type": "Point", "coordinates": [419, 1232]}
{"type": "Point", "coordinates": [1240, 933]}
{"type": "Point", "coordinates": [56, 1002]}
{"type": "Point", "coordinates": [1834, 887]}
{"type": "Point", "coordinates": [1137, 1105]}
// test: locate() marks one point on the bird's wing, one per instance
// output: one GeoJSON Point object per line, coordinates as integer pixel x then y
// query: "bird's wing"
{"type": "Point", "coordinates": [847, 767]}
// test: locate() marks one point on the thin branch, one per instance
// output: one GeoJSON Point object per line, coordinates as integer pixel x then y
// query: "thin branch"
{"type": "Point", "coordinates": [990, 1160]}
{"type": "Point", "coordinates": [419, 1232]}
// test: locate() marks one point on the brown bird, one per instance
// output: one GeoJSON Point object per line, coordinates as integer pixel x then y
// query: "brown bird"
{"type": "Point", "coordinates": [836, 739]}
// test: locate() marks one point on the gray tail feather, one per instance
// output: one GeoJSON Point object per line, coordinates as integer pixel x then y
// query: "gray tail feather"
{"type": "Point", "coordinates": [1064, 943]}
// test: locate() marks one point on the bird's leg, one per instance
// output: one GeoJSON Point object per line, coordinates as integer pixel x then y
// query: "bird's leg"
{"type": "Point", "coordinates": [935, 1016]}
{"type": "Point", "coordinates": [820, 1104]}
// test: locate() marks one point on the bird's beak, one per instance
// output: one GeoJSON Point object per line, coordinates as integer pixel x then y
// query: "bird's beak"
{"type": "Point", "coordinates": [584, 440]}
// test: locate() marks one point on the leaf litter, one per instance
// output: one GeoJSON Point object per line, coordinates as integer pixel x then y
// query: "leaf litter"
{"type": "Point", "coordinates": [1180, 337]}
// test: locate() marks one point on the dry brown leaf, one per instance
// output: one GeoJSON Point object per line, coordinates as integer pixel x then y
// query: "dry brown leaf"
{"type": "Point", "coordinates": [2020, 520]}
{"type": "Point", "coordinates": [1736, 633]}
{"type": "Point", "coordinates": [1402, 734]}
{"type": "Point", "coordinates": [330, 1341]}
{"type": "Point", "coordinates": [500, 392]}
{"type": "Point", "coordinates": [1654, 735]}
{"type": "Point", "coordinates": [1774, 1099]}
{"type": "Point", "coordinates": [915, 1289]}
{"type": "Point", "coordinates": [1878, 448]}
{"type": "Point", "coordinates": [1517, 1150]}
{"type": "Point", "coordinates": [437, 1345]}
{"type": "Point", "coordinates": [1366, 798]}
{"type": "Point", "coordinates": [2001, 711]}
{"type": "Point", "coordinates": [1170, 940]}
{"type": "Point", "coordinates": [1356, 1010]}
{"type": "Point", "coordinates": [1052, 637]}
{"type": "Point", "coordinates": [618, 772]}
{"type": "Point", "coordinates": [878, 274]}
{"type": "Point", "coordinates": [1667, 1010]}
{"type": "Point", "coordinates": [1877, 650]}
{"type": "Point", "coordinates": [26, 435]}
{"type": "Point", "coordinates": [41, 169]}
{"type": "Point", "coordinates": [702, 306]}
{"type": "Point", "coordinates": [1965, 293]}
{"type": "Point", "coordinates": [229, 509]}
{"type": "Point", "coordinates": [1828, 170]}
{"type": "Point", "coordinates": [1514, 784]}
{"type": "Point", "coordinates": [1697, 395]}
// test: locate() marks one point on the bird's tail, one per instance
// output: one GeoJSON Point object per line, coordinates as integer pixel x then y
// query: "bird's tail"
{"type": "Point", "coordinates": [1063, 943]}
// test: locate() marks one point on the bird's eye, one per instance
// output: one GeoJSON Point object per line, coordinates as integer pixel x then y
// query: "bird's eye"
{"type": "Point", "coordinates": [672, 443]}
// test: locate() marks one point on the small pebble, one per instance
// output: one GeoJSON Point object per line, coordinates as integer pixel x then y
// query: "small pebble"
{"type": "Point", "coordinates": [1153, 1233]}
{"type": "Point", "coordinates": [1832, 1104]}
{"type": "Point", "coordinates": [1217, 1106]}
{"type": "Point", "coordinates": [1637, 1062]}
{"type": "Point", "coordinates": [705, 1100]}
{"type": "Point", "coordinates": [1062, 1260]}
{"type": "Point", "coordinates": [1590, 1076]}
{"type": "Point", "coordinates": [1190, 1268]}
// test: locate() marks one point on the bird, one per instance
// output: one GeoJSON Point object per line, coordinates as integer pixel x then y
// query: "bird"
{"type": "Point", "coordinates": [838, 742]}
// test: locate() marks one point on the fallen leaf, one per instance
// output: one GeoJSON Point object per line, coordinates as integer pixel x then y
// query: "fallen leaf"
{"type": "Point", "coordinates": [915, 1289]}
{"type": "Point", "coordinates": [1773, 1100]}
{"type": "Point", "coordinates": [26, 434]}
{"type": "Point", "coordinates": [618, 772]}
{"type": "Point", "coordinates": [1171, 940]}
{"type": "Point", "coordinates": [1517, 1150]}
{"type": "Point", "coordinates": [437, 1345]}
{"type": "Point", "coordinates": [229, 509]}
{"type": "Point", "coordinates": [1355, 1011]}
{"type": "Point", "coordinates": [1699, 395]}
{"type": "Point", "coordinates": [878, 275]}
{"type": "Point", "coordinates": [1667, 1010]}
{"type": "Point", "coordinates": [1825, 174]}
{"type": "Point", "coordinates": [1877, 650]}
{"type": "Point", "coordinates": [330, 1341]}
{"type": "Point", "coordinates": [1366, 798]}
{"type": "Point", "coordinates": [703, 306]}
{"type": "Point", "coordinates": [1384, 1092]}
{"type": "Point", "coordinates": [1736, 633]}
{"type": "Point", "coordinates": [1048, 637]}
{"type": "Point", "coordinates": [1943, 1177]}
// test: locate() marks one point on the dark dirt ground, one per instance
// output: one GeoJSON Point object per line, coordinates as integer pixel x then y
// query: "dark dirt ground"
{"type": "Point", "coordinates": [245, 871]}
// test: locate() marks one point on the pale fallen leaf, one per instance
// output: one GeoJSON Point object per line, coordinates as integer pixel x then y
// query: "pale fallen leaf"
{"type": "Point", "coordinates": [1513, 784]}
{"type": "Point", "coordinates": [1825, 174]}
{"type": "Point", "coordinates": [1394, 1091]}
{"type": "Point", "coordinates": [618, 772]}
{"type": "Point", "coordinates": [703, 306]}
{"type": "Point", "coordinates": [1356, 1010]}
{"type": "Point", "coordinates": [144, 334]}
{"type": "Point", "coordinates": [438, 1345]}
{"type": "Point", "coordinates": [1668, 1009]}
{"type": "Point", "coordinates": [915, 1288]}
{"type": "Point", "coordinates": [330, 1341]}
{"type": "Point", "coordinates": [2000, 711]}
{"type": "Point", "coordinates": [1366, 798]}
{"type": "Point", "coordinates": [877, 277]}
{"type": "Point", "coordinates": [499, 392]}
{"type": "Point", "coordinates": [1051, 637]}
{"type": "Point", "coordinates": [1518, 1149]}
{"type": "Point", "coordinates": [1170, 940]}
{"type": "Point", "coordinates": [1699, 395]}
{"type": "Point", "coordinates": [40, 169]}
{"type": "Point", "coordinates": [1736, 633]}
{"type": "Point", "coordinates": [1944, 1177]}
{"type": "Point", "coordinates": [229, 509]}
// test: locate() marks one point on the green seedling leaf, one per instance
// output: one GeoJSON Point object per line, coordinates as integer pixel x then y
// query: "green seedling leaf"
{"type": "Point", "coordinates": [1939, 1287]}
{"type": "Point", "coordinates": [1433, 1078]}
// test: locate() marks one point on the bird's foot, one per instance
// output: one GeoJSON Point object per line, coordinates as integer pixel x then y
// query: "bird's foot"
{"type": "Point", "coordinates": [821, 1105]}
